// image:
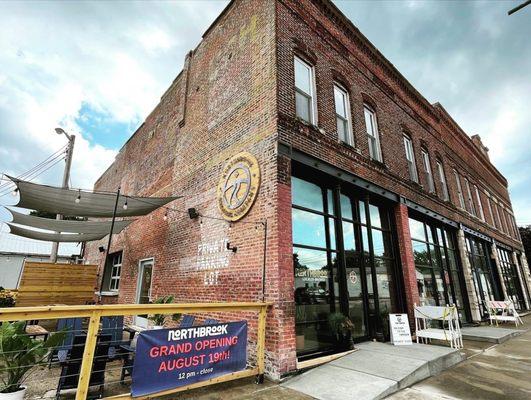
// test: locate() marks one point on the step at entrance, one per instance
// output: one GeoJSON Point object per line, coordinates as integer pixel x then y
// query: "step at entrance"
{"type": "Point", "coordinates": [374, 371]}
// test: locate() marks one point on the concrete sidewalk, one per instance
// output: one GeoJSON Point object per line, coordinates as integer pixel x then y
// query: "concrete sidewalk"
{"type": "Point", "coordinates": [374, 371]}
{"type": "Point", "coordinates": [491, 372]}
{"type": "Point", "coordinates": [491, 334]}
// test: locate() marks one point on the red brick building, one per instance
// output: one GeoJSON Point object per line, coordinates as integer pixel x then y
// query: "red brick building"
{"type": "Point", "coordinates": [374, 198]}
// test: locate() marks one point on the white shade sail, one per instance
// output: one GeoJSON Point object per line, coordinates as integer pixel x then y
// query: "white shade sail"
{"type": "Point", "coordinates": [91, 204]}
{"type": "Point", "coordinates": [94, 227]}
{"type": "Point", "coordinates": [55, 237]}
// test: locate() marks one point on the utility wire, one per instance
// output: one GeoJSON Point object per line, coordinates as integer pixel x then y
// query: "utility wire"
{"type": "Point", "coordinates": [35, 174]}
{"type": "Point", "coordinates": [33, 169]}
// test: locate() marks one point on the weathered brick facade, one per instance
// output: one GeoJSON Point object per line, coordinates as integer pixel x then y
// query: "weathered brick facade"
{"type": "Point", "coordinates": [236, 93]}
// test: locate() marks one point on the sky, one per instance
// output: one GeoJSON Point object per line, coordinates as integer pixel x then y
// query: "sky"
{"type": "Point", "coordinates": [98, 68]}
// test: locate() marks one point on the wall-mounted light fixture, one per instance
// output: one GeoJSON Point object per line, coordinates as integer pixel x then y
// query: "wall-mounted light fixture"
{"type": "Point", "coordinates": [192, 213]}
{"type": "Point", "coordinates": [101, 249]}
{"type": "Point", "coordinates": [234, 249]}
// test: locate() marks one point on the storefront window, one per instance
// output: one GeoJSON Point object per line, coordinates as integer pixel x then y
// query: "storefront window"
{"type": "Point", "coordinates": [343, 263]}
{"type": "Point", "coordinates": [510, 278]}
{"type": "Point", "coordinates": [482, 272]}
{"type": "Point", "coordinates": [439, 279]}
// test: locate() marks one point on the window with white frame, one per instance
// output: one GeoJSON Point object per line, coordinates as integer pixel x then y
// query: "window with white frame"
{"type": "Point", "coordinates": [470, 200]}
{"type": "Point", "coordinates": [500, 226]}
{"type": "Point", "coordinates": [304, 91]}
{"type": "Point", "coordinates": [113, 270]}
{"type": "Point", "coordinates": [516, 230]}
{"type": "Point", "coordinates": [410, 158]}
{"type": "Point", "coordinates": [442, 181]}
{"type": "Point", "coordinates": [509, 224]}
{"type": "Point", "coordinates": [343, 123]}
{"type": "Point", "coordinates": [459, 190]}
{"type": "Point", "coordinates": [480, 205]}
{"type": "Point", "coordinates": [504, 222]}
{"type": "Point", "coordinates": [427, 170]}
{"type": "Point", "coordinates": [491, 211]}
{"type": "Point", "coordinates": [373, 135]}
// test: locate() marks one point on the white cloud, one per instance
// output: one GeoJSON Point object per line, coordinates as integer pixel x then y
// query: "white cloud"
{"type": "Point", "coordinates": [115, 58]}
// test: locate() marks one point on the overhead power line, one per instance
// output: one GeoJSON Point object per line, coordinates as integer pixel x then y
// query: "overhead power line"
{"type": "Point", "coordinates": [518, 8]}
{"type": "Point", "coordinates": [31, 173]}
{"type": "Point", "coordinates": [36, 173]}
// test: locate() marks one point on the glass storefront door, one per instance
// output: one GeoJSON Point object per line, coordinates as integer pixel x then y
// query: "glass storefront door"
{"type": "Point", "coordinates": [510, 278]}
{"type": "Point", "coordinates": [439, 276]}
{"type": "Point", "coordinates": [483, 275]}
{"type": "Point", "coordinates": [343, 263]}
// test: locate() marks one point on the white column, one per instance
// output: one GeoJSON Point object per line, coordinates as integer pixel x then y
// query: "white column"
{"type": "Point", "coordinates": [467, 273]}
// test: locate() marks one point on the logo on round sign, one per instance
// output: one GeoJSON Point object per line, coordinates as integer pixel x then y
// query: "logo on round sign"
{"type": "Point", "coordinates": [238, 186]}
{"type": "Point", "coordinates": [353, 277]}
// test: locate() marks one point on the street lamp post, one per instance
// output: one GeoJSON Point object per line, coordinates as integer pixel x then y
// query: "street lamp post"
{"type": "Point", "coordinates": [66, 178]}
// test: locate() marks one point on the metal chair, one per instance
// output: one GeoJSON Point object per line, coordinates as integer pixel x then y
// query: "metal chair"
{"type": "Point", "coordinates": [71, 367]}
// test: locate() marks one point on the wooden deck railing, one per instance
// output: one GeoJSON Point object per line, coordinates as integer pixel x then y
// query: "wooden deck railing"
{"type": "Point", "coordinates": [95, 312]}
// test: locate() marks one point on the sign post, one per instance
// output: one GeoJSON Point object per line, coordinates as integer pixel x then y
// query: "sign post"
{"type": "Point", "coordinates": [169, 358]}
{"type": "Point", "coordinates": [399, 327]}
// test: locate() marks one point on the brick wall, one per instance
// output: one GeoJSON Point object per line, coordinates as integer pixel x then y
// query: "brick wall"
{"type": "Point", "coordinates": [407, 260]}
{"type": "Point", "coordinates": [236, 93]}
{"type": "Point", "coordinates": [222, 103]}
{"type": "Point", "coordinates": [318, 32]}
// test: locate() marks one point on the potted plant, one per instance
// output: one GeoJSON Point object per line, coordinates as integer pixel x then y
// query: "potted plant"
{"type": "Point", "coordinates": [159, 319]}
{"type": "Point", "coordinates": [7, 297]}
{"type": "Point", "coordinates": [342, 327]}
{"type": "Point", "coordinates": [20, 353]}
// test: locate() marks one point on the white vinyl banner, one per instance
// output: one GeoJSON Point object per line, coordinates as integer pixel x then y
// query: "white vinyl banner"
{"type": "Point", "coordinates": [399, 327]}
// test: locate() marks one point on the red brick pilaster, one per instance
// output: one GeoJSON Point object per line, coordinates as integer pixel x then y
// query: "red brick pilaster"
{"type": "Point", "coordinates": [407, 260]}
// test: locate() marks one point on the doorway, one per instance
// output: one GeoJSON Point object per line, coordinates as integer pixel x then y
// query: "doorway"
{"type": "Point", "coordinates": [344, 265]}
{"type": "Point", "coordinates": [143, 291]}
{"type": "Point", "coordinates": [483, 276]}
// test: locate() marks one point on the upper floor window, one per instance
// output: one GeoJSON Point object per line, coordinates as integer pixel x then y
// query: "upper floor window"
{"type": "Point", "coordinates": [480, 206]}
{"type": "Point", "coordinates": [442, 181]}
{"type": "Point", "coordinates": [500, 226]}
{"type": "Point", "coordinates": [342, 103]}
{"type": "Point", "coordinates": [427, 171]}
{"type": "Point", "coordinates": [410, 158]}
{"type": "Point", "coordinates": [470, 201]}
{"type": "Point", "coordinates": [459, 190]}
{"type": "Point", "coordinates": [372, 133]}
{"type": "Point", "coordinates": [304, 91]}
{"type": "Point", "coordinates": [491, 212]}
{"type": "Point", "coordinates": [503, 221]}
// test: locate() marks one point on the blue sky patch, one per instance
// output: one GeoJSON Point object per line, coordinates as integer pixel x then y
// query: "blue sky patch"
{"type": "Point", "coordinates": [100, 128]}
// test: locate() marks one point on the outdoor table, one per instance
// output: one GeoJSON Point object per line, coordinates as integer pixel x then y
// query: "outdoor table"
{"type": "Point", "coordinates": [37, 330]}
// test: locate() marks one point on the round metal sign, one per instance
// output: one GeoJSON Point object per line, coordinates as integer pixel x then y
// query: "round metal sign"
{"type": "Point", "coordinates": [238, 186]}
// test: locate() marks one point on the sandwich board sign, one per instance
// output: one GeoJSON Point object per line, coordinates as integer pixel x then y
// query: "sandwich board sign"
{"type": "Point", "coordinates": [399, 327]}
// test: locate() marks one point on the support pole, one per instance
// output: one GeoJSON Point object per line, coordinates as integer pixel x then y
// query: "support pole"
{"type": "Point", "coordinates": [66, 178]}
{"type": "Point", "coordinates": [264, 260]}
{"type": "Point", "coordinates": [108, 243]}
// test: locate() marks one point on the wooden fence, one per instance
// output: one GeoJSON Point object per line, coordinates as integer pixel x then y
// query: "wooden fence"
{"type": "Point", "coordinates": [95, 313]}
{"type": "Point", "coordinates": [49, 283]}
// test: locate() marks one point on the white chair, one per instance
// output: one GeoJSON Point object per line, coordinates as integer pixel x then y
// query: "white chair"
{"type": "Point", "coordinates": [448, 316]}
{"type": "Point", "coordinates": [504, 311]}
